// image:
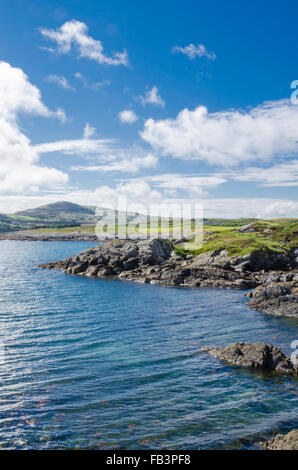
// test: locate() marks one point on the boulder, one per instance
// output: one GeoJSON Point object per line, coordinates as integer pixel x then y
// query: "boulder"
{"type": "Point", "coordinates": [255, 355]}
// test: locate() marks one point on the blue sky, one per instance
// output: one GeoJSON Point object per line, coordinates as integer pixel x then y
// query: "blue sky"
{"type": "Point", "coordinates": [159, 101]}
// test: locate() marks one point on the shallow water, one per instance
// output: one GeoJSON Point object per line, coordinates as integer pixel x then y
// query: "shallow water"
{"type": "Point", "coordinates": [92, 363]}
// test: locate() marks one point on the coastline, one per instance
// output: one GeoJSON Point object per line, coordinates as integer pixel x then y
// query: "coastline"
{"type": "Point", "coordinates": [267, 434]}
{"type": "Point", "coordinates": [47, 236]}
{"type": "Point", "coordinates": [155, 262]}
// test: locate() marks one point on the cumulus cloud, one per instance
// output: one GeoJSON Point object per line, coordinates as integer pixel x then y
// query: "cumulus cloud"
{"type": "Point", "coordinates": [19, 169]}
{"type": "Point", "coordinates": [61, 81]}
{"type": "Point", "coordinates": [228, 137]}
{"type": "Point", "coordinates": [127, 116]}
{"type": "Point", "coordinates": [192, 51]}
{"type": "Point", "coordinates": [152, 97]}
{"type": "Point", "coordinates": [75, 33]}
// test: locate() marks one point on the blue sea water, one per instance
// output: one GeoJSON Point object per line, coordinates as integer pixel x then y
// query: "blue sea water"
{"type": "Point", "coordinates": [107, 364]}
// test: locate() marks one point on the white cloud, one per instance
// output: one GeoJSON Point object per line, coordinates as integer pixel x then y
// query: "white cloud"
{"type": "Point", "coordinates": [192, 51]}
{"type": "Point", "coordinates": [92, 86]}
{"type": "Point", "coordinates": [61, 81]}
{"type": "Point", "coordinates": [82, 79]}
{"type": "Point", "coordinates": [127, 116]}
{"type": "Point", "coordinates": [193, 185]}
{"type": "Point", "coordinates": [250, 207]}
{"type": "Point", "coordinates": [281, 174]}
{"type": "Point", "coordinates": [108, 154]}
{"type": "Point", "coordinates": [128, 165]}
{"type": "Point", "coordinates": [89, 131]}
{"type": "Point", "coordinates": [99, 85]}
{"type": "Point", "coordinates": [152, 97]}
{"type": "Point", "coordinates": [228, 137]}
{"type": "Point", "coordinates": [19, 169]}
{"type": "Point", "coordinates": [18, 95]}
{"type": "Point", "coordinates": [76, 146]}
{"type": "Point", "coordinates": [143, 193]}
{"type": "Point", "coordinates": [75, 33]}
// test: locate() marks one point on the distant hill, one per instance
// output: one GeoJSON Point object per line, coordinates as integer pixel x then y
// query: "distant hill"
{"type": "Point", "coordinates": [65, 214]}
{"type": "Point", "coordinates": [58, 214]}
{"type": "Point", "coordinates": [56, 208]}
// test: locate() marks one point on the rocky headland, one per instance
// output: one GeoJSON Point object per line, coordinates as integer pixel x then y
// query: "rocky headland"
{"type": "Point", "coordinates": [260, 356]}
{"type": "Point", "coordinates": [156, 262]}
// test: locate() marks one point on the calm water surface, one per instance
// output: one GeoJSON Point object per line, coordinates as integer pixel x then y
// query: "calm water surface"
{"type": "Point", "coordinates": [109, 364]}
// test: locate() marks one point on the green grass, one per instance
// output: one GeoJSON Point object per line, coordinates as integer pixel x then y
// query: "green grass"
{"type": "Point", "coordinates": [80, 228]}
{"type": "Point", "coordinates": [281, 238]}
{"type": "Point", "coordinates": [275, 235]}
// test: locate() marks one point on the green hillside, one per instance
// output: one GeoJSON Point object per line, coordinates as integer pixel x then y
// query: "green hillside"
{"type": "Point", "coordinates": [58, 214]}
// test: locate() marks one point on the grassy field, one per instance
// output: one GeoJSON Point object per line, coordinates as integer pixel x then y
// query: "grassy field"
{"type": "Point", "coordinates": [277, 235]}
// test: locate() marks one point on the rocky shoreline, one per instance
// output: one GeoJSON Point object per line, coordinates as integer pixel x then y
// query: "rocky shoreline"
{"type": "Point", "coordinates": [277, 296]}
{"type": "Point", "coordinates": [27, 235]}
{"type": "Point", "coordinates": [155, 262]}
{"type": "Point", "coordinates": [273, 276]}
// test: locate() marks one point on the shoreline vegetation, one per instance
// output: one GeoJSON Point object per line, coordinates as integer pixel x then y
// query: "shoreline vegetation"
{"type": "Point", "coordinates": [261, 255]}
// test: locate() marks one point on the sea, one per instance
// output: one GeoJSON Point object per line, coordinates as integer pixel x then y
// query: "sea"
{"type": "Point", "coordinates": [89, 363]}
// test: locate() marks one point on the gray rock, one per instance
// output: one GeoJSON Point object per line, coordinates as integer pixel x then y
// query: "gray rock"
{"type": "Point", "coordinates": [249, 228]}
{"type": "Point", "coordinates": [255, 355]}
{"type": "Point", "coordinates": [282, 441]}
{"type": "Point", "coordinates": [152, 261]}
{"type": "Point", "coordinates": [277, 296]}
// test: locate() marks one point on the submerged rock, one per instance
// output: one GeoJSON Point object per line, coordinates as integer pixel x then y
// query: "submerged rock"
{"type": "Point", "coordinates": [282, 441]}
{"type": "Point", "coordinates": [255, 355]}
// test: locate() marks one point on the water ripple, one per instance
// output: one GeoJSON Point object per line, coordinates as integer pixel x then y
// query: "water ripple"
{"type": "Point", "coordinates": [102, 364]}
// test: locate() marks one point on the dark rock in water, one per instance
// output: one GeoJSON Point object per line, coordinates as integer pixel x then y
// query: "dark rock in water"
{"type": "Point", "coordinates": [277, 296]}
{"type": "Point", "coordinates": [151, 261]}
{"type": "Point", "coordinates": [154, 261]}
{"type": "Point", "coordinates": [255, 355]}
{"type": "Point", "coordinates": [282, 441]}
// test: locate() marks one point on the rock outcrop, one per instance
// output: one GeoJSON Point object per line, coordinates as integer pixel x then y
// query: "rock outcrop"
{"type": "Point", "coordinates": [259, 260]}
{"type": "Point", "coordinates": [278, 295]}
{"type": "Point", "coordinates": [282, 441]}
{"type": "Point", "coordinates": [254, 355]}
{"type": "Point", "coordinates": [151, 261]}
{"type": "Point", "coordinates": [155, 261]}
